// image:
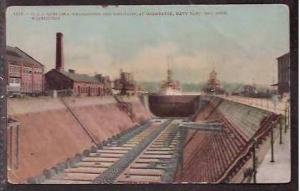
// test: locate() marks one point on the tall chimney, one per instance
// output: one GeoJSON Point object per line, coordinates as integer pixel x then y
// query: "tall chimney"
{"type": "Point", "coordinates": [59, 65]}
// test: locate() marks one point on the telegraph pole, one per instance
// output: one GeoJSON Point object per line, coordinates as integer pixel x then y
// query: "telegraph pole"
{"type": "Point", "coordinates": [280, 129]}
{"type": "Point", "coordinates": [254, 160]}
{"type": "Point", "coordinates": [272, 142]}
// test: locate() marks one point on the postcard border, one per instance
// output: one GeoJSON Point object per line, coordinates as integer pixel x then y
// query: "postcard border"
{"type": "Point", "coordinates": [293, 185]}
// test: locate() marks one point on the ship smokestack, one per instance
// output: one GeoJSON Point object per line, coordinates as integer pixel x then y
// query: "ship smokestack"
{"type": "Point", "coordinates": [59, 52]}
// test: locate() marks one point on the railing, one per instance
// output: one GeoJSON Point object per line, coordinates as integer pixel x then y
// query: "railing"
{"type": "Point", "coordinates": [265, 127]}
{"type": "Point", "coordinates": [247, 149]}
{"type": "Point", "coordinates": [263, 103]}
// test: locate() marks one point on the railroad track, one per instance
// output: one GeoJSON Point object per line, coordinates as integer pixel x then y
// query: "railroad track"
{"type": "Point", "coordinates": [149, 156]}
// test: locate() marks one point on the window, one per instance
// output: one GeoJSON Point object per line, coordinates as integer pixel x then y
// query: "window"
{"type": "Point", "coordinates": [27, 70]}
{"type": "Point", "coordinates": [14, 70]}
{"type": "Point", "coordinates": [14, 80]}
{"type": "Point", "coordinates": [38, 71]}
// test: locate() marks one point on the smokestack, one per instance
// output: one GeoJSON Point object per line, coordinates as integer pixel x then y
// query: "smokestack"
{"type": "Point", "coordinates": [59, 65]}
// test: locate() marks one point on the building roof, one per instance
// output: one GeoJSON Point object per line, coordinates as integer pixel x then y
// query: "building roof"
{"type": "Point", "coordinates": [79, 77]}
{"type": "Point", "coordinates": [15, 54]}
{"type": "Point", "coordinates": [284, 55]}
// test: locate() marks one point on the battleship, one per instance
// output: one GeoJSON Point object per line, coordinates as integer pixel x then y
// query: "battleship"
{"type": "Point", "coordinates": [170, 101]}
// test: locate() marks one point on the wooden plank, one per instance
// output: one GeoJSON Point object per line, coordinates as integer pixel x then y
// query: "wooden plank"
{"type": "Point", "coordinates": [86, 170]}
{"type": "Point", "coordinates": [145, 156]}
{"type": "Point", "coordinates": [160, 149]}
{"type": "Point", "coordinates": [113, 151]}
{"type": "Point", "coordinates": [140, 179]}
{"type": "Point", "coordinates": [116, 148]}
{"type": "Point", "coordinates": [149, 172]}
{"type": "Point", "coordinates": [99, 159]}
{"type": "Point", "coordinates": [94, 164]}
{"type": "Point", "coordinates": [140, 160]}
{"type": "Point", "coordinates": [129, 145]}
{"type": "Point", "coordinates": [159, 152]}
{"type": "Point", "coordinates": [139, 165]}
{"type": "Point", "coordinates": [79, 176]}
{"type": "Point", "coordinates": [111, 155]}
{"type": "Point", "coordinates": [53, 181]}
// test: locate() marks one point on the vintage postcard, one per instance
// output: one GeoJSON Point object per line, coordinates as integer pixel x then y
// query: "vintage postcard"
{"type": "Point", "coordinates": [148, 94]}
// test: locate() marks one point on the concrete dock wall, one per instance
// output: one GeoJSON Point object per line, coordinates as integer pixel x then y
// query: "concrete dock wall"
{"type": "Point", "coordinates": [201, 148]}
{"type": "Point", "coordinates": [53, 130]}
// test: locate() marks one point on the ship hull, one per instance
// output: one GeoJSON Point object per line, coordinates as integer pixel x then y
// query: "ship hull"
{"type": "Point", "coordinates": [173, 105]}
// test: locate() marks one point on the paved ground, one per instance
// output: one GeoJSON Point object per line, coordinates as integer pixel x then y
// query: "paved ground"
{"type": "Point", "coordinates": [280, 170]}
{"type": "Point", "coordinates": [267, 104]}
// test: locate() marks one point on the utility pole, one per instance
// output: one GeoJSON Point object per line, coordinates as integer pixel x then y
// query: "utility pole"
{"type": "Point", "coordinates": [280, 129]}
{"type": "Point", "coordinates": [288, 114]}
{"type": "Point", "coordinates": [286, 117]}
{"type": "Point", "coordinates": [272, 142]}
{"type": "Point", "coordinates": [254, 160]}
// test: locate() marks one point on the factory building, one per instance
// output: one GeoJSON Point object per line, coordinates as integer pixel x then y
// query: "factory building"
{"type": "Point", "coordinates": [25, 74]}
{"type": "Point", "coordinates": [79, 84]}
{"type": "Point", "coordinates": [283, 73]}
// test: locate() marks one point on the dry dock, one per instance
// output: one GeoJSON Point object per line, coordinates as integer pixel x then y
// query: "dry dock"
{"type": "Point", "coordinates": [94, 141]}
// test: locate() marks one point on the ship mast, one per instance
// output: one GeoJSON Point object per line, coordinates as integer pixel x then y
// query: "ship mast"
{"type": "Point", "coordinates": [169, 75]}
{"type": "Point", "coordinates": [169, 72]}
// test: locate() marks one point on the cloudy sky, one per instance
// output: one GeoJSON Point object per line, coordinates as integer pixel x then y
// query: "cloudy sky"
{"type": "Point", "coordinates": [240, 41]}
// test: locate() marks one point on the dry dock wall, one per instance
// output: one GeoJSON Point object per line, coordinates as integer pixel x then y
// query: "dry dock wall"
{"type": "Point", "coordinates": [207, 155]}
{"type": "Point", "coordinates": [53, 130]}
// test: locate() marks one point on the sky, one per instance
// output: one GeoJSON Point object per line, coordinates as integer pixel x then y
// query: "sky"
{"type": "Point", "coordinates": [241, 42]}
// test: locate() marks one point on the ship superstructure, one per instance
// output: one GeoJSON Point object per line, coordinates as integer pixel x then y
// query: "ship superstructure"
{"type": "Point", "coordinates": [170, 87]}
{"type": "Point", "coordinates": [213, 85]}
{"type": "Point", "coordinates": [170, 101]}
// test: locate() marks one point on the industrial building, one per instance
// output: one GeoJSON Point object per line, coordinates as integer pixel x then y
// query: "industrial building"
{"type": "Point", "coordinates": [79, 84]}
{"type": "Point", "coordinates": [283, 73]}
{"type": "Point", "coordinates": [25, 74]}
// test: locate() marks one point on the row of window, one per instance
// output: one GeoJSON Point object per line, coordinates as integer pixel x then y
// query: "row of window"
{"type": "Point", "coordinates": [14, 80]}
{"type": "Point", "coordinates": [91, 90]}
{"type": "Point", "coordinates": [88, 89]}
{"type": "Point", "coordinates": [14, 69]}
{"type": "Point", "coordinates": [30, 84]}
{"type": "Point", "coordinates": [26, 81]}
{"type": "Point", "coordinates": [27, 70]}
{"type": "Point", "coordinates": [30, 71]}
{"type": "Point", "coordinates": [30, 88]}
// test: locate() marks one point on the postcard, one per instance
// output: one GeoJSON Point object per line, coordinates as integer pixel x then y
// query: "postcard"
{"type": "Point", "coordinates": [137, 94]}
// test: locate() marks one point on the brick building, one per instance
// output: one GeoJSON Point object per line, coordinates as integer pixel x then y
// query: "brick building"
{"type": "Point", "coordinates": [79, 84]}
{"type": "Point", "coordinates": [283, 73]}
{"type": "Point", "coordinates": [25, 74]}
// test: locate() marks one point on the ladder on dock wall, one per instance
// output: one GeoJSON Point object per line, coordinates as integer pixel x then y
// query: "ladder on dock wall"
{"type": "Point", "coordinates": [125, 107]}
